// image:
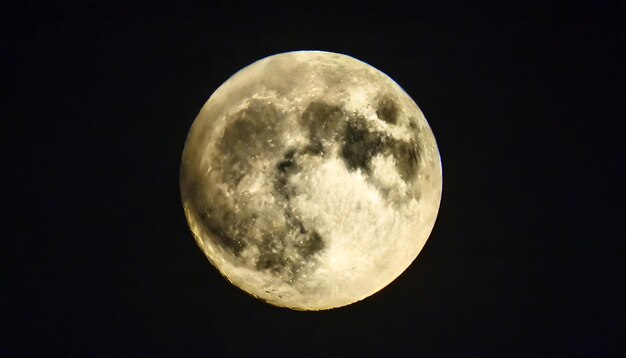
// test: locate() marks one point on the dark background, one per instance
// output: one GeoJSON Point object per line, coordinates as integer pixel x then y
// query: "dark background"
{"type": "Point", "coordinates": [526, 102]}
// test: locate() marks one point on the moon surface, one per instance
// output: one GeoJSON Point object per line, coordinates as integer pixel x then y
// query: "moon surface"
{"type": "Point", "coordinates": [310, 180]}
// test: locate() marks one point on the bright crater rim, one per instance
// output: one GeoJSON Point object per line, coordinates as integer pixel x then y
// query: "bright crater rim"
{"type": "Point", "coordinates": [310, 180]}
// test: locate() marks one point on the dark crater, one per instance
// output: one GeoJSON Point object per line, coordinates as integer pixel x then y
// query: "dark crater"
{"type": "Point", "coordinates": [324, 124]}
{"type": "Point", "coordinates": [407, 157]}
{"type": "Point", "coordinates": [360, 146]}
{"type": "Point", "coordinates": [286, 167]}
{"type": "Point", "coordinates": [387, 109]}
{"type": "Point", "coordinates": [311, 245]}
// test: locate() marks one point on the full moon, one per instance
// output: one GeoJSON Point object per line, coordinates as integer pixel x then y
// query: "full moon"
{"type": "Point", "coordinates": [310, 180]}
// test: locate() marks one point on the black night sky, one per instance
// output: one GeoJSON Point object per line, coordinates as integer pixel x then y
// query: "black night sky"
{"type": "Point", "coordinates": [526, 101]}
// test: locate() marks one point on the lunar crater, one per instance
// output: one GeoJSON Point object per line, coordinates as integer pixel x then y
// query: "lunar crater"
{"type": "Point", "coordinates": [387, 109]}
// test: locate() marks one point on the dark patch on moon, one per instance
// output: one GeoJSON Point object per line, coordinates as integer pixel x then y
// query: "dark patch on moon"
{"type": "Point", "coordinates": [314, 148]}
{"type": "Point", "coordinates": [217, 220]}
{"type": "Point", "coordinates": [220, 225]}
{"type": "Point", "coordinates": [324, 123]}
{"type": "Point", "coordinates": [360, 146]}
{"type": "Point", "coordinates": [327, 123]}
{"type": "Point", "coordinates": [387, 109]}
{"type": "Point", "coordinates": [312, 245]}
{"type": "Point", "coordinates": [286, 167]}
{"type": "Point", "coordinates": [271, 254]}
{"type": "Point", "coordinates": [252, 132]}
{"type": "Point", "coordinates": [287, 164]}
{"type": "Point", "coordinates": [407, 158]}
{"type": "Point", "coordinates": [223, 239]}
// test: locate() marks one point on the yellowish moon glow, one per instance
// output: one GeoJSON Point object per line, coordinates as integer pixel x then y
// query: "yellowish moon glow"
{"type": "Point", "coordinates": [310, 180]}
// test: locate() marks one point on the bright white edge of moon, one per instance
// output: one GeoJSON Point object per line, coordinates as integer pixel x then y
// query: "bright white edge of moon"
{"type": "Point", "coordinates": [311, 180]}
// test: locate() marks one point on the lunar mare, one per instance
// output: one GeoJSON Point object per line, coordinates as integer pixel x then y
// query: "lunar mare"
{"type": "Point", "coordinates": [311, 180]}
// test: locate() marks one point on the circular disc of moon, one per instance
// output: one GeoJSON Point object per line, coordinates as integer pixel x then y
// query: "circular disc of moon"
{"type": "Point", "coordinates": [310, 180]}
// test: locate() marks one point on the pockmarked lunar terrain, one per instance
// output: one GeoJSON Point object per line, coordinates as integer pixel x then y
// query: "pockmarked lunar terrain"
{"type": "Point", "coordinates": [311, 180]}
